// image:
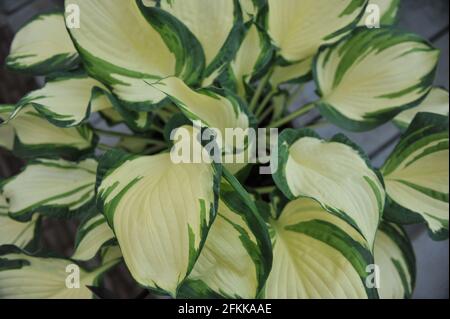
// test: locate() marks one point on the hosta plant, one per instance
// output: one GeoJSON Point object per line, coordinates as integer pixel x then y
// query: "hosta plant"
{"type": "Point", "coordinates": [324, 224]}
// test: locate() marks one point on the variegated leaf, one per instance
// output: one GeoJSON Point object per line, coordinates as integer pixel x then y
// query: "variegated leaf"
{"type": "Point", "coordinates": [250, 8]}
{"type": "Point", "coordinates": [160, 213]}
{"type": "Point", "coordinates": [335, 173]}
{"type": "Point", "coordinates": [28, 134]}
{"type": "Point", "coordinates": [52, 187]}
{"type": "Point", "coordinates": [366, 79]}
{"type": "Point", "coordinates": [216, 24]}
{"type": "Point", "coordinates": [253, 55]}
{"type": "Point", "coordinates": [43, 46]}
{"type": "Point", "coordinates": [387, 10]}
{"type": "Point", "coordinates": [236, 259]}
{"type": "Point", "coordinates": [68, 101]}
{"type": "Point", "coordinates": [317, 255]}
{"type": "Point", "coordinates": [141, 43]}
{"type": "Point", "coordinates": [395, 258]}
{"type": "Point", "coordinates": [292, 73]}
{"type": "Point", "coordinates": [436, 102]}
{"type": "Point", "coordinates": [417, 175]}
{"type": "Point", "coordinates": [13, 232]}
{"type": "Point", "coordinates": [299, 28]}
{"type": "Point", "coordinates": [23, 276]}
{"type": "Point", "coordinates": [93, 234]}
{"type": "Point", "coordinates": [7, 137]}
{"type": "Point", "coordinates": [215, 109]}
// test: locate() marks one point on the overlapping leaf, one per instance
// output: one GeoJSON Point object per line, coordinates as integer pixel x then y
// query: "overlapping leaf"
{"type": "Point", "coordinates": [133, 43]}
{"type": "Point", "coordinates": [299, 28]}
{"type": "Point", "coordinates": [30, 135]}
{"type": "Point", "coordinates": [92, 235]}
{"type": "Point", "coordinates": [23, 276]}
{"type": "Point", "coordinates": [387, 9]}
{"type": "Point", "coordinates": [13, 232]}
{"type": "Point", "coordinates": [6, 131]}
{"type": "Point", "coordinates": [236, 259]}
{"type": "Point", "coordinates": [366, 79]}
{"type": "Point", "coordinates": [68, 101]}
{"type": "Point", "coordinates": [436, 102]}
{"type": "Point", "coordinates": [317, 255]}
{"type": "Point", "coordinates": [216, 24]}
{"type": "Point", "coordinates": [250, 8]}
{"type": "Point", "coordinates": [394, 256]}
{"type": "Point", "coordinates": [335, 173]}
{"type": "Point", "coordinates": [160, 212]}
{"type": "Point", "coordinates": [43, 46]}
{"type": "Point", "coordinates": [215, 109]}
{"type": "Point", "coordinates": [417, 175]}
{"type": "Point", "coordinates": [52, 187]}
{"type": "Point", "coordinates": [253, 55]}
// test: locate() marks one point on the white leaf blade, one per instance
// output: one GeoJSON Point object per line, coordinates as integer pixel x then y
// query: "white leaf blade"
{"type": "Point", "coordinates": [45, 278]}
{"type": "Point", "coordinates": [181, 196]}
{"type": "Point", "coordinates": [310, 167]}
{"type": "Point", "coordinates": [417, 175]}
{"type": "Point", "coordinates": [43, 46]}
{"type": "Point", "coordinates": [317, 255]}
{"type": "Point", "coordinates": [216, 31]}
{"type": "Point", "coordinates": [395, 258]}
{"type": "Point", "coordinates": [299, 28]}
{"type": "Point", "coordinates": [436, 102]}
{"type": "Point", "coordinates": [149, 44]}
{"type": "Point", "coordinates": [92, 235]}
{"type": "Point", "coordinates": [217, 110]}
{"type": "Point", "coordinates": [68, 101]}
{"type": "Point", "coordinates": [31, 135]}
{"type": "Point", "coordinates": [54, 187]}
{"type": "Point", "coordinates": [13, 232]}
{"type": "Point", "coordinates": [358, 92]}
{"type": "Point", "coordinates": [234, 263]}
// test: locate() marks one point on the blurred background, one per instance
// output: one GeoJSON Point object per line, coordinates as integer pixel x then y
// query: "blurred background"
{"type": "Point", "coordinates": [429, 18]}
